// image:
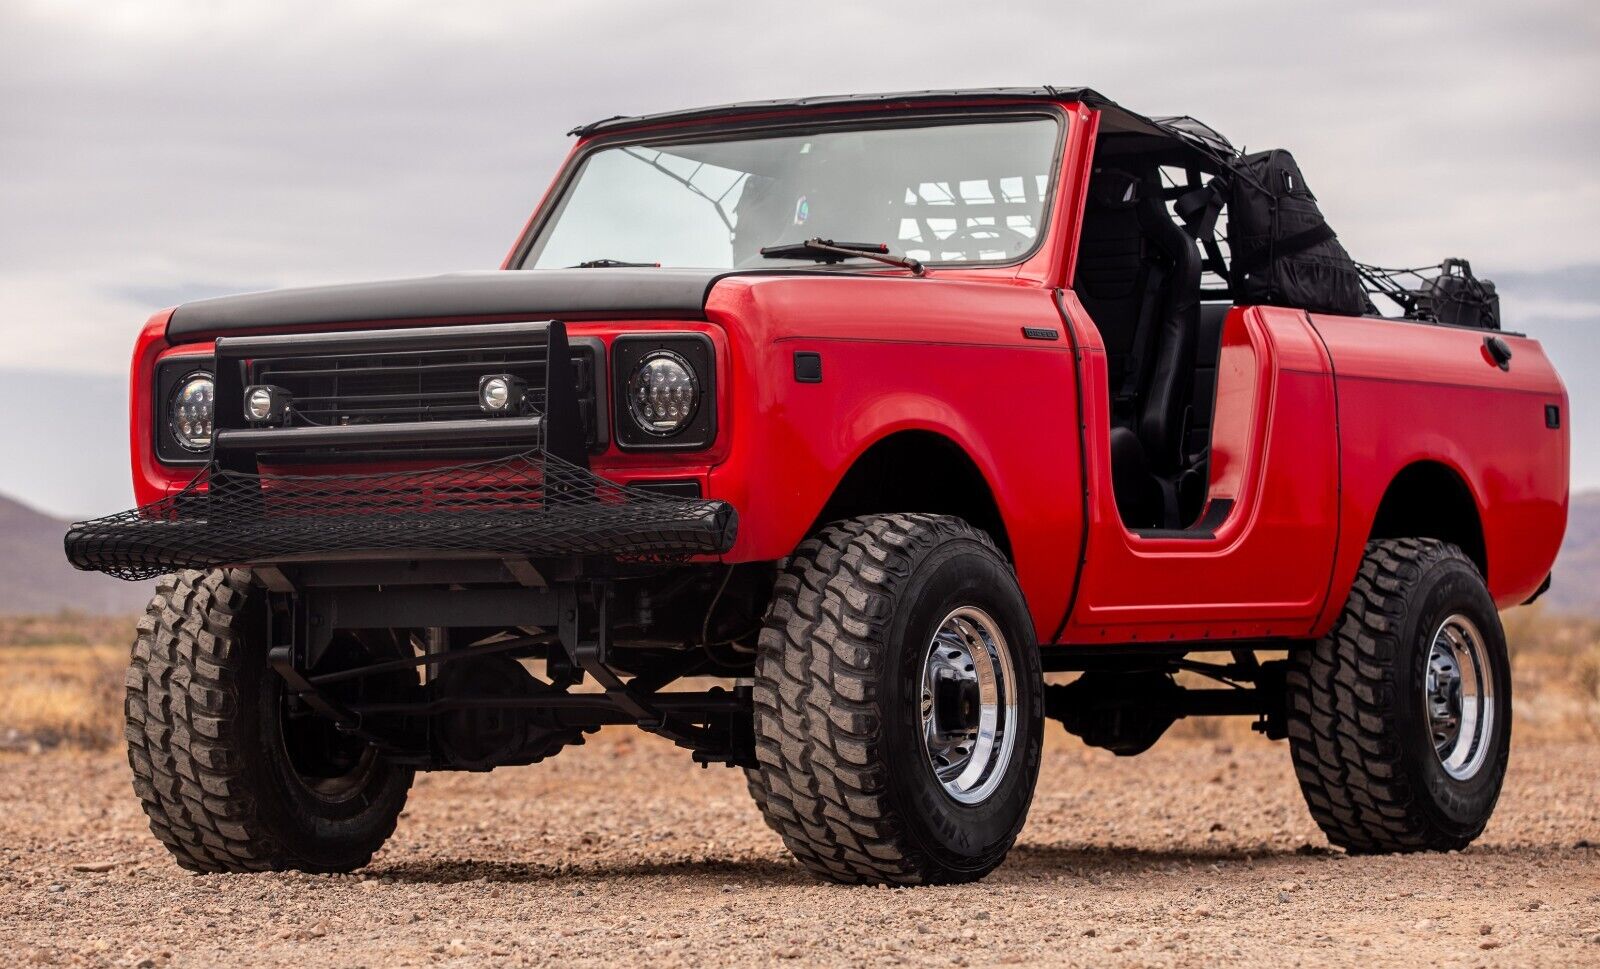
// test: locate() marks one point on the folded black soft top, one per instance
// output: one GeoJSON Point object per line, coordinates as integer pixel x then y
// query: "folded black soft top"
{"type": "Point", "coordinates": [1183, 128]}
{"type": "Point", "coordinates": [567, 294]}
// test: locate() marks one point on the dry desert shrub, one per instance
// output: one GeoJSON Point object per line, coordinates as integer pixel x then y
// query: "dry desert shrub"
{"type": "Point", "coordinates": [66, 629]}
{"type": "Point", "coordinates": [1588, 683]}
{"type": "Point", "coordinates": [1555, 667]}
{"type": "Point", "coordinates": [61, 681]}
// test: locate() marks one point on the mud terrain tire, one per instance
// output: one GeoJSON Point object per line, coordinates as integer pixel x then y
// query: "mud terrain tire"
{"type": "Point", "coordinates": [845, 775]}
{"type": "Point", "coordinates": [204, 724]}
{"type": "Point", "coordinates": [1363, 744]}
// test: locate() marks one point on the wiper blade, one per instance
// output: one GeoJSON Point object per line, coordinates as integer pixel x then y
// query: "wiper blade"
{"type": "Point", "coordinates": [827, 250]}
{"type": "Point", "coordinates": [614, 264]}
{"type": "Point", "coordinates": [824, 250]}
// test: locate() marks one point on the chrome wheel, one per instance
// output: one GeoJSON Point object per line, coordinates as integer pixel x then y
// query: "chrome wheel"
{"type": "Point", "coordinates": [1458, 693]}
{"type": "Point", "coordinates": [969, 705]}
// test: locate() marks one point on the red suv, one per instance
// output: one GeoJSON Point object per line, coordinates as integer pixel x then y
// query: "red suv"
{"type": "Point", "coordinates": [877, 409]}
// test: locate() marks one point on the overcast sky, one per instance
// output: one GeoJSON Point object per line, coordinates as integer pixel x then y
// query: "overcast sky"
{"type": "Point", "coordinates": [157, 151]}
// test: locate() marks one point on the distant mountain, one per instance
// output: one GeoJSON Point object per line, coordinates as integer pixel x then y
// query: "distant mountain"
{"type": "Point", "coordinates": [36, 579]}
{"type": "Point", "coordinates": [1575, 587]}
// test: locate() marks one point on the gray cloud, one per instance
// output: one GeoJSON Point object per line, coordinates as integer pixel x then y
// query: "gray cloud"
{"type": "Point", "coordinates": [1574, 284]}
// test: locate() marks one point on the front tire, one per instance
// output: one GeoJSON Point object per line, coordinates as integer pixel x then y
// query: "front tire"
{"type": "Point", "coordinates": [1400, 718]}
{"type": "Point", "coordinates": [898, 703]}
{"type": "Point", "coordinates": [229, 782]}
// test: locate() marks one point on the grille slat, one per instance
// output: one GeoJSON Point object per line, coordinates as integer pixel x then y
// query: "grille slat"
{"type": "Point", "coordinates": [459, 410]}
{"type": "Point", "coordinates": [352, 371]}
{"type": "Point", "coordinates": [378, 398]}
{"type": "Point", "coordinates": [530, 350]}
{"type": "Point", "coordinates": [403, 386]}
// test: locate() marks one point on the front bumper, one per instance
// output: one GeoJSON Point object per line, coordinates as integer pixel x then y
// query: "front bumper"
{"type": "Point", "coordinates": [531, 505]}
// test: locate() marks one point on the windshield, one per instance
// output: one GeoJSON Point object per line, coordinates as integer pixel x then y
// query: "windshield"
{"type": "Point", "coordinates": [969, 192]}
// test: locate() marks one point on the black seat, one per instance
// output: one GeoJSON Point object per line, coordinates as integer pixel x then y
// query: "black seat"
{"type": "Point", "coordinates": [1139, 279]}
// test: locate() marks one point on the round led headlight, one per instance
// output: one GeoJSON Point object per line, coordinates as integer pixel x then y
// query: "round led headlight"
{"type": "Point", "coordinates": [189, 413]}
{"type": "Point", "coordinates": [663, 393]}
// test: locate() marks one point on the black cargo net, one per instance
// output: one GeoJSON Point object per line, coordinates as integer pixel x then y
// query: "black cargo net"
{"type": "Point", "coordinates": [1447, 293]}
{"type": "Point", "coordinates": [528, 504]}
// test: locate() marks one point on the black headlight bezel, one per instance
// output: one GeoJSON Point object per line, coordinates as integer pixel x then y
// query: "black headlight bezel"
{"type": "Point", "coordinates": [627, 353]}
{"type": "Point", "coordinates": [169, 376]}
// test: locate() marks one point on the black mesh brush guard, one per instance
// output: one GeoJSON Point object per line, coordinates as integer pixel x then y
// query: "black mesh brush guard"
{"type": "Point", "coordinates": [537, 500]}
{"type": "Point", "coordinates": [530, 504]}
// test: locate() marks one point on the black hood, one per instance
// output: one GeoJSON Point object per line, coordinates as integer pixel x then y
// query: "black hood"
{"type": "Point", "coordinates": [566, 294]}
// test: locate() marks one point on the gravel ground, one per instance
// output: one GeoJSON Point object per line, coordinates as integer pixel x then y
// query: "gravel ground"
{"type": "Point", "coordinates": [622, 852]}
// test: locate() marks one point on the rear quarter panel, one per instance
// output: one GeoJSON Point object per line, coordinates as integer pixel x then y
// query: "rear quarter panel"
{"type": "Point", "coordinates": [1410, 392]}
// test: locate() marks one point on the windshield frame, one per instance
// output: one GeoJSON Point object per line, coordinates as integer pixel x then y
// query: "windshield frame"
{"type": "Point", "coordinates": [529, 244]}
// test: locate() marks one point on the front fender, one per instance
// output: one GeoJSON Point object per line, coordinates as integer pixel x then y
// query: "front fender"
{"type": "Point", "coordinates": [1012, 410]}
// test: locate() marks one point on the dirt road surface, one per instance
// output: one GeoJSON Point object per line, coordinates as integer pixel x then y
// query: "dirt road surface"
{"type": "Point", "coordinates": [623, 853]}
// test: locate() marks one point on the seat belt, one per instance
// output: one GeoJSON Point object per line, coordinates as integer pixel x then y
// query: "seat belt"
{"type": "Point", "coordinates": [1198, 209]}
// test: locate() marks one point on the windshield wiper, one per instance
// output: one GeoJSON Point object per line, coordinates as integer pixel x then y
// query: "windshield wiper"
{"type": "Point", "coordinates": [827, 250]}
{"type": "Point", "coordinates": [614, 264]}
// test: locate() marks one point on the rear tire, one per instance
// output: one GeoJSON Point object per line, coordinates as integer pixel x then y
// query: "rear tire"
{"type": "Point", "coordinates": [867, 772]}
{"type": "Point", "coordinates": [224, 787]}
{"type": "Point", "coordinates": [1400, 718]}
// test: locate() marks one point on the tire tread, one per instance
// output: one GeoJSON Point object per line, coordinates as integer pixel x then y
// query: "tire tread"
{"type": "Point", "coordinates": [1341, 697]}
{"type": "Point", "coordinates": [821, 783]}
{"type": "Point", "coordinates": [182, 715]}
